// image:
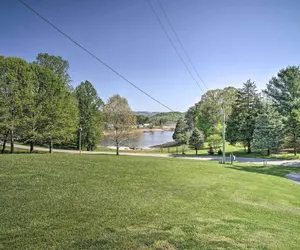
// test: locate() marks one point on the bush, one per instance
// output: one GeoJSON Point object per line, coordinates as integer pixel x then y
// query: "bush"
{"type": "Point", "coordinates": [211, 151]}
{"type": "Point", "coordinates": [220, 152]}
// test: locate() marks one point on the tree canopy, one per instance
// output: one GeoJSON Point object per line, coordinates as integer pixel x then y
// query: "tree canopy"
{"type": "Point", "coordinates": [120, 120]}
{"type": "Point", "coordinates": [90, 108]}
{"type": "Point", "coordinates": [246, 108]}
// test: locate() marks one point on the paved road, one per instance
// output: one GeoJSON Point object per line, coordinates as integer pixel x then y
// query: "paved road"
{"type": "Point", "coordinates": [295, 177]}
{"type": "Point", "coordinates": [291, 163]}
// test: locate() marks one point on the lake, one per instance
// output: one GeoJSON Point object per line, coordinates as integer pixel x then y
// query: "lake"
{"type": "Point", "coordinates": [146, 139]}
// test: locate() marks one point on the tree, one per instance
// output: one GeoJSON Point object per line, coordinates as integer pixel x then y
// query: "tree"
{"type": "Point", "coordinates": [120, 119]}
{"type": "Point", "coordinates": [207, 111]}
{"type": "Point", "coordinates": [180, 134]}
{"type": "Point", "coordinates": [246, 108]}
{"type": "Point", "coordinates": [268, 132]}
{"type": "Point", "coordinates": [59, 121]}
{"type": "Point", "coordinates": [165, 118]}
{"type": "Point", "coordinates": [55, 63]}
{"type": "Point", "coordinates": [190, 116]}
{"type": "Point", "coordinates": [15, 96]}
{"type": "Point", "coordinates": [141, 119]}
{"type": "Point", "coordinates": [90, 108]}
{"type": "Point", "coordinates": [284, 92]}
{"type": "Point", "coordinates": [196, 140]}
{"type": "Point", "coordinates": [32, 116]}
{"type": "Point", "coordinates": [214, 142]}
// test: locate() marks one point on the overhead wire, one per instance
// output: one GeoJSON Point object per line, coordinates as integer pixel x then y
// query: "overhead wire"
{"type": "Point", "coordinates": [173, 45]}
{"type": "Point", "coordinates": [179, 41]}
{"type": "Point", "coordinates": [91, 54]}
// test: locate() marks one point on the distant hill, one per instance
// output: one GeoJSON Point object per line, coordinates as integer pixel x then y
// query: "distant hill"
{"type": "Point", "coordinates": [159, 118]}
{"type": "Point", "coordinates": [166, 118]}
{"type": "Point", "coordinates": [146, 113]}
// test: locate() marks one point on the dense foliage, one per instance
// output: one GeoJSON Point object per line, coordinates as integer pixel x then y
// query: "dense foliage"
{"type": "Point", "coordinates": [38, 106]}
{"type": "Point", "coordinates": [267, 121]}
{"type": "Point", "coordinates": [90, 106]}
{"type": "Point", "coordinates": [165, 118]}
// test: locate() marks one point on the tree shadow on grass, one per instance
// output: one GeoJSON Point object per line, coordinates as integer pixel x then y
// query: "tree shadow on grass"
{"type": "Point", "coordinates": [269, 170]}
{"type": "Point", "coordinates": [18, 152]}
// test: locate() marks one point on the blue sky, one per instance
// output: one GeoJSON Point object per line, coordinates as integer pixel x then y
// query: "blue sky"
{"type": "Point", "coordinates": [228, 41]}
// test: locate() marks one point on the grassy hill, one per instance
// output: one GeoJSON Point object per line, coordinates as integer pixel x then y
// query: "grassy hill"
{"type": "Point", "coordinates": [106, 202]}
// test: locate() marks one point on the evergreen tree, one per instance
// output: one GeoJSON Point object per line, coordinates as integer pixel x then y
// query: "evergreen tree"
{"type": "Point", "coordinates": [246, 108]}
{"type": "Point", "coordinates": [268, 132]}
{"type": "Point", "coordinates": [196, 140]}
{"type": "Point", "coordinates": [284, 91]}
{"type": "Point", "coordinates": [180, 134]}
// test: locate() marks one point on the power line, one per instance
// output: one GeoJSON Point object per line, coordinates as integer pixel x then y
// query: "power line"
{"type": "Point", "coordinates": [179, 41]}
{"type": "Point", "coordinates": [91, 54]}
{"type": "Point", "coordinates": [169, 38]}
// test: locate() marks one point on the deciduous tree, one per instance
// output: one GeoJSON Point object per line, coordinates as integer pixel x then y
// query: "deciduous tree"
{"type": "Point", "coordinates": [55, 63]}
{"type": "Point", "coordinates": [90, 112]}
{"type": "Point", "coordinates": [120, 121]}
{"type": "Point", "coordinates": [207, 111]}
{"type": "Point", "coordinates": [15, 96]}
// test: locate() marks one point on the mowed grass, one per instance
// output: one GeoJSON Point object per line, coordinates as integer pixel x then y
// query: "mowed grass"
{"type": "Point", "coordinates": [106, 202]}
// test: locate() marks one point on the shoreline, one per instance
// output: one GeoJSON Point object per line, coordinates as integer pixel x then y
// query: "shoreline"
{"type": "Point", "coordinates": [147, 130]}
{"type": "Point", "coordinates": [143, 130]}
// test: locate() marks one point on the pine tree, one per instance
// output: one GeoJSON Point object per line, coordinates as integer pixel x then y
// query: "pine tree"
{"type": "Point", "coordinates": [268, 132]}
{"type": "Point", "coordinates": [246, 108]}
{"type": "Point", "coordinates": [180, 134]}
{"type": "Point", "coordinates": [196, 140]}
{"type": "Point", "coordinates": [284, 92]}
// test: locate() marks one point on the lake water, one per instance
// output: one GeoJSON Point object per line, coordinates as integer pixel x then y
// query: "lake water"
{"type": "Point", "coordinates": [146, 139]}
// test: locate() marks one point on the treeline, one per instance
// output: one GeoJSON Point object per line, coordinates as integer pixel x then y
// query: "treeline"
{"type": "Point", "coordinates": [161, 119]}
{"type": "Point", "coordinates": [39, 106]}
{"type": "Point", "coordinates": [267, 120]}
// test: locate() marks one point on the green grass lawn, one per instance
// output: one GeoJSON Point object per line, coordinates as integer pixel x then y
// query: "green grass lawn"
{"type": "Point", "coordinates": [63, 201]}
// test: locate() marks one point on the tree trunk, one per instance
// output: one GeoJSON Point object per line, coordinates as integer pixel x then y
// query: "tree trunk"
{"type": "Point", "coordinates": [3, 146]}
{"type": "Point", "coordinates": [268, 152]}
{"type": "Point", "coordinates": [4, 142]}
{"type": "Point", "coordinates": [249, 147]}
{"type": "Point", "coordinates": [196, 151]}
{"type": "Point", "coordinates": [31, 147]}
{"type": "Point", "coordinates": [50, 147]}
{"type": "Point", "coordinates": [117, 149]}
{"type": "Point", "coordinates": [12, 143]}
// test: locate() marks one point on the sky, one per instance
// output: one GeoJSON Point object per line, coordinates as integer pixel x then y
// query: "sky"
{"type": "Point", "coordinates": [228, 41]}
